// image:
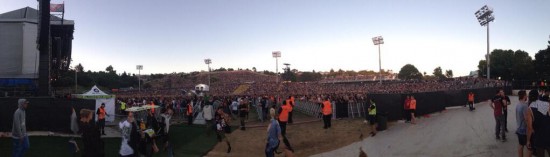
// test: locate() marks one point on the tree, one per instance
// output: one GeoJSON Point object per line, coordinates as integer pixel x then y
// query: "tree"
{"type": "Point", "coordinates": [309, 76]}
{"type": "Point", "coordinates": [79, 67]}
{"type": "Point", "coordinates": [438, 73]}
{"type": "Point", "coordinates": [254, 69]}
{"type": "Point", "coordinates": [508, 65]}
{"type": "Point", "coordinates": [409, 72]}
{"type": "Point", "coordinates": [542, 63]}
{"type": "Point", "coordinates": [449, 73]}
{"type": "Point", "coordinates": [110, 69]}
{"type": "Point", "coordinates": [523, 66]}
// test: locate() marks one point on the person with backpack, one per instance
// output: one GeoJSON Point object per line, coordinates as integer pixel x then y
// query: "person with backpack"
{"type": "Point", "coordinates": [538, 125]}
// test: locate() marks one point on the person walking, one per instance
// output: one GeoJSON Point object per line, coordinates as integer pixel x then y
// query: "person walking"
{"type": "Point", "coordinates": [327, 113]}
{"type": "Point", "coordinates": [497, 104]}
{"type": "Point", "coordinates": [471, 101]}
{"type": "Point", "coordinates": [101, 113]}
{"type": "Point", "coordinates": [93, 146]}
{"type": "Point", "coordinates": [19, 129]}
{"type": "Point", "coordinates": [126, 130]}
{"type": "Point", "coordinates": [274, 136]}
{"type": "Point", "coordinates": [538, 125]}
{"type": "Point", "coordinates": [222, 120]}
{"type": "Point", "coordinates": [412, 109]}
{"type": "Point", "coordinates": [521, 116]}
{"type": "Point", "coordinates": [372, 117]}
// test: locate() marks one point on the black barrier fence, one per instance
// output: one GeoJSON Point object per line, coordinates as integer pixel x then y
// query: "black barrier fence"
{"type": "Point", "coordinates": [43, 114]}
{"type": "Point", "coordinates": [392, 105]}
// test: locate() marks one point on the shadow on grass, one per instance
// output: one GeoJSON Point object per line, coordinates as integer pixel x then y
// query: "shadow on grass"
{"type": "Point", "coordinates": [187, 141]}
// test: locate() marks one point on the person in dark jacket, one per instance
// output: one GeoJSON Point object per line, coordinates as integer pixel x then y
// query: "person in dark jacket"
{"type": "Point", "coordinates": [93, 146]}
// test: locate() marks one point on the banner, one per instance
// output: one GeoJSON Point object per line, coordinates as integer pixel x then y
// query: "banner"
{"type": "Point", "coordinates": [57, 7]}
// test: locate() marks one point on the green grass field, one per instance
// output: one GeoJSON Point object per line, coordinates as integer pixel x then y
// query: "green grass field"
{"type": "Point", "coordinates": [187, 140]}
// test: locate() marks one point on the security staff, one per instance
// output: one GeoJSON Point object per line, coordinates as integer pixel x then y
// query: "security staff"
{"type": "Point", "coordinates": [372, 117]}
{"type": "Point", "coordinates": [327, 113]}
{"type": "Point", "coordinates": [101, 118]}
{"type": "Point", "coordinates": [283, 116]}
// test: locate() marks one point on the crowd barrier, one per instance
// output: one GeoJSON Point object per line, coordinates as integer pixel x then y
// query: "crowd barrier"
{"type": "Point", "coordinates": [43, 114]}
{"type": "Point", "coordinates": [392, 105]}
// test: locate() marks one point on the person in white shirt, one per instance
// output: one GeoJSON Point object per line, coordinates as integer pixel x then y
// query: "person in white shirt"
{"type": "Point", "coordinates": [125, 129]}
{"type": "Point", "coordinates": [208, 115]}
{"type": "Point", "coordinates": [234, 109]}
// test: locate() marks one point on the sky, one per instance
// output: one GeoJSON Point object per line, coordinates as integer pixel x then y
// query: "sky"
{"type": "Point", "coordinates": [177, 35]}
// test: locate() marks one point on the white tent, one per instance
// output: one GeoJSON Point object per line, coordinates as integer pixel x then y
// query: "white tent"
{"type": "Point", "coordinates": [101, 97]}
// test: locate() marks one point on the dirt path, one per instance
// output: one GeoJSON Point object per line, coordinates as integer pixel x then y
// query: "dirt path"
{"type": "Point", "coordinates": [306, 139]}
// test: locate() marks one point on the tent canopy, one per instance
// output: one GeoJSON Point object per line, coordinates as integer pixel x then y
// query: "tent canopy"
{"type": "Point", "coordinates": [94, 93]}
{"type": "Point", "coordinates": [101, 98]}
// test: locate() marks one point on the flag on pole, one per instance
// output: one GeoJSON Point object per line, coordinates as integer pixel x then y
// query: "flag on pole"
{"type": "Point", "coordinates": [57, 7]}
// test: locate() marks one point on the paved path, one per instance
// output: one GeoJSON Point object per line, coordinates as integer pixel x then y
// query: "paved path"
{"type": "Point", "coordinates": [455, 132]}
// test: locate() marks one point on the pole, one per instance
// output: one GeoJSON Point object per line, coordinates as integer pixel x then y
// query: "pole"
{"type": "Point", "coordinates": [139, 80]}
{"type": "Point", "coordinates": [488, 56]}
{"type": "Point", "coordinates": [277, 68]}
{"type": "Point", "coordinates": [379, 64]}
{"type": "Point", "coordinates": [208, 75]}
{"type": "Point", "coordinates": [75, 81]}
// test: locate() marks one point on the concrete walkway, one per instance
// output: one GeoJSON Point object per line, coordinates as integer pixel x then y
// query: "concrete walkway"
{"type": "Point", "coordinates": [454, 133]}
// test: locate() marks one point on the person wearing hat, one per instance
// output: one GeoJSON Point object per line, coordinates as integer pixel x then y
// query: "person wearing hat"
{"type": "Point", "coordinates": [19, 129]}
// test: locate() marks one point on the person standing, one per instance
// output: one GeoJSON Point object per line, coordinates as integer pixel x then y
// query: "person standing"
{"type": "Point", "coordinates": [243, 112]}
{"type": "Point", "coordinates": [497, 104]}
{"type": "Point", "coordinates": [327, 113]}
{"type": "Point", "coordinates": [283, 117]}
{"type": "Point", "coordinates": [471, 101]}
{"type": "Point", "coordinates": [538, 125]}
{"type": "Point", "coordinates": [291, 103]}
{"type": "Point", "coordinates": [101, 118]}
{"type": "Point", "coordinates": [126, 130]}
{"type": "Point", "coordinates": [93, 146]}
{"type": "Point", "coordinates": [412, 109]}
{"type": "Point", "coordinates": [208, 114]}
{"type": "Point", "coordinates": [521, 116]}
{"type": "Point", "coordinates": [190, 113]}
{"type": "Point", "coordinates": [505, 111]}
{"type": "Point", "coordinates": [234, 109]}
{"type": "Point", "coordinates": [19, 129]}
{"type": "Point", "coordinates": [372, 117]}
{"type": "Point", "coordinates": [406, 108]}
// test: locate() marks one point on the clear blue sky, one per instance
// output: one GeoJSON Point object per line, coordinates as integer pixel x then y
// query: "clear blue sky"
{"type": "Point", "coordinates": [176, 35]}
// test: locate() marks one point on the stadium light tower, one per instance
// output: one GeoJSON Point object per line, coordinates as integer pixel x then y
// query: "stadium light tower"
{"type": "Point", "coordinates": [276, 55]}
{"type": "Point", "coordinates": [379, 41]}
{"type": "Point", "coordinates": [139, 68]}
{"type": "Point", "coordinates": [484, 16]}
{"type": "Point", "coordinates": [208, 61]}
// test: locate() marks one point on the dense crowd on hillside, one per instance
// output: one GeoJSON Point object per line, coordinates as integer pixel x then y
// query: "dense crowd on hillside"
{"type": "Point", "coordinates": [256, 84]}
